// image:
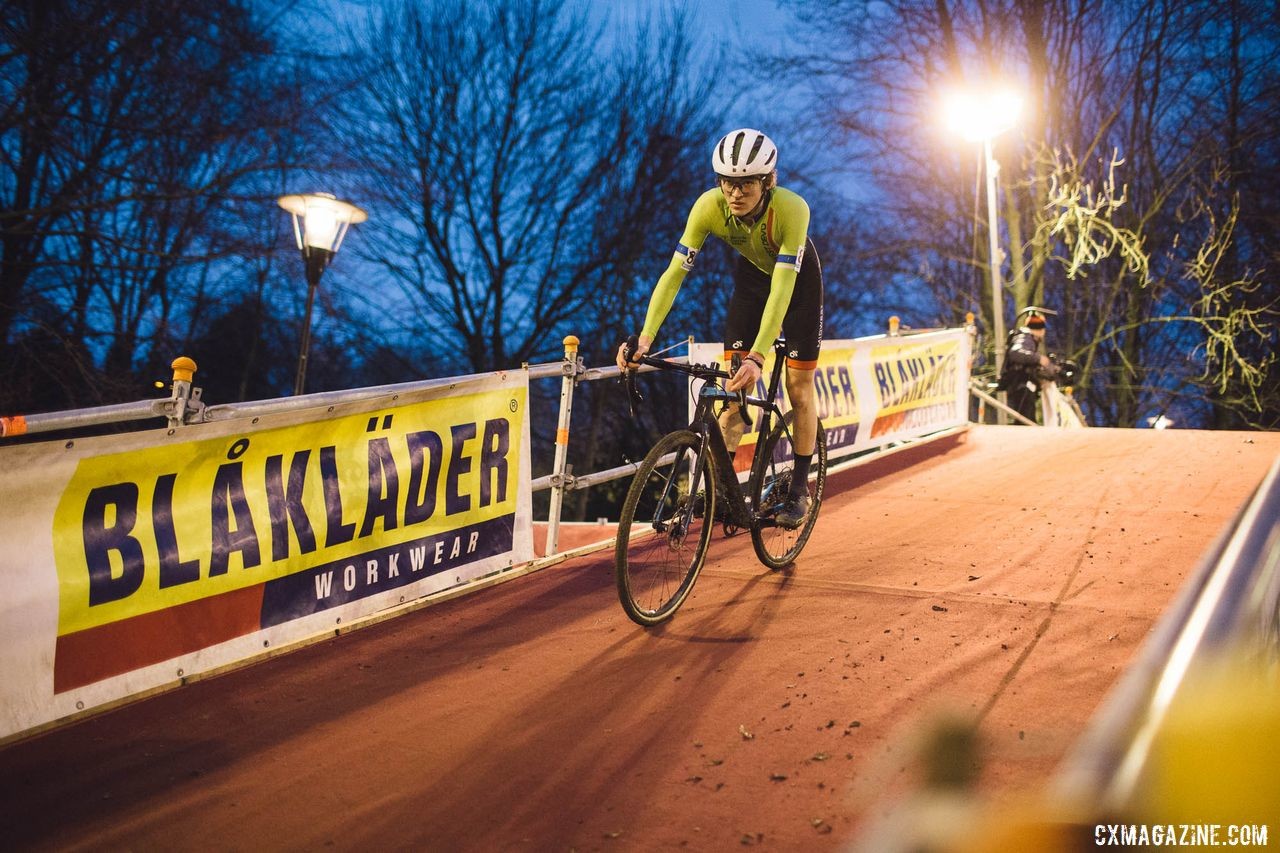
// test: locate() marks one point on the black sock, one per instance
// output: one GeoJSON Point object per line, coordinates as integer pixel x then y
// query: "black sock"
{"type": "Point", "coordinates": [800, 476]}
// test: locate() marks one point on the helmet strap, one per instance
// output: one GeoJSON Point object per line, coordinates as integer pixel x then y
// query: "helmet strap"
{"type": "Point", "coordinates": [755, 212]}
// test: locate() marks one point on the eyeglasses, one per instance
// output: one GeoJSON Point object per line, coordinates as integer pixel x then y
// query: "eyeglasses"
{"type": "Point", "coordinates": [732, 186]}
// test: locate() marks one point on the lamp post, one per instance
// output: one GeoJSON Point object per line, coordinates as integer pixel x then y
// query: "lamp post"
{"type": "Point", "coordinates": [981, 118]}
{"type": "Point", "coordinates": [320, 221]}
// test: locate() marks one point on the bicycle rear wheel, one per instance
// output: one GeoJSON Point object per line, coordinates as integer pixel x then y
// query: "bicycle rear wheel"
{"type": "Point", "coordinates": [778, 547]}
{"type": "Point", "coordinates": [665, 527]}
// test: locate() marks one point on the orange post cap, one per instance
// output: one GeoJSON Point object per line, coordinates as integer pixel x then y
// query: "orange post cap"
{"type": "Point", "coordinates": [183, 369]}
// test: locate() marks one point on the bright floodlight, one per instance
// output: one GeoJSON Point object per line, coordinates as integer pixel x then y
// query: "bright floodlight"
{"type": "Point", "coordinates": [983, 115]}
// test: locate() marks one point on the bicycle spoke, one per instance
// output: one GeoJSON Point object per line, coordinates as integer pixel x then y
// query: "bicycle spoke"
{"type": "Point", "coordinates": [665, 528]}
{"type": "Point", "coordinates": [777, 546]}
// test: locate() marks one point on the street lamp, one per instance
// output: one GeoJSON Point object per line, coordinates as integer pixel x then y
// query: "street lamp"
{"type": "Point", "coordinates": [981, 118]}
{"type": "Point", "coordinates": [320, 221]}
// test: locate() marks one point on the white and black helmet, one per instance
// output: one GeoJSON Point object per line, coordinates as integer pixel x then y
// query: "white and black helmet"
{"type": "Point", "coordinates": [744, 153]}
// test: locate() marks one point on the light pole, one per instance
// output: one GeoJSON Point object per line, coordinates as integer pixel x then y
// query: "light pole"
{"type": "Point", "coordinates": [981, 118]}
{"type": "Point", "coordinates": [320, 221]}
{"type": "Point", "coordinates": [992, 170]}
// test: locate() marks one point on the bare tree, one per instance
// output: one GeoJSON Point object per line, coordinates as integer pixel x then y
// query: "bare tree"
{"type": "Point", "coordinates": [518, 174]}
{"type": "Point", "coordinates": [131, 137]}
{"type": "Point", "coordinates": [1112, 184]}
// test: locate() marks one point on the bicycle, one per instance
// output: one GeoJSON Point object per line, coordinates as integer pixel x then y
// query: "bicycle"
{"type": "Point", "coordinates": [674, 499]}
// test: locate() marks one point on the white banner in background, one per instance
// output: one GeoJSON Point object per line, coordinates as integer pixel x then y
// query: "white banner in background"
{"type": "Point", "coordinates": [876, 390]}
{"type": "Point", "coordinates": [132, 561]}
{"type": "Point", "coordinates": [1059, 407]}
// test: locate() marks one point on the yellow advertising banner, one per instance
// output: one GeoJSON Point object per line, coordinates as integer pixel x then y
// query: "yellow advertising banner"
{"type": "Point", "coordinates": [874, 391]}
{"type": "Point", "coordinates": [134, 559]}
{"type": "Point", "coordinates": [164, 550]}
{"type": "Point", "coordinates": [917, 384]}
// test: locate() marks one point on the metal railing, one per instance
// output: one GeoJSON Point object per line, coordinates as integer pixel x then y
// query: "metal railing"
{"type": "Point", "coordinates": [560, 480]}
{"type": "Point", "coordinates": [976, 390]}
{"type": "Point", "coordinates": [184, 408]}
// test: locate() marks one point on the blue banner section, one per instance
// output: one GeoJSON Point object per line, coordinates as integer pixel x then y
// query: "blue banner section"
{"type": "Point", "coordinates": [343, 581]}
{"type": "Point", "coordinates": [837, 439]}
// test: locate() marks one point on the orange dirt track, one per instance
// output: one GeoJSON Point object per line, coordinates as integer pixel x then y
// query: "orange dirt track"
{"type": "Point", "coordinates": [1008, 575]}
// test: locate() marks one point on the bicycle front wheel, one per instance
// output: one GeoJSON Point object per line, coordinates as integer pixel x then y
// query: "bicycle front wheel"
{"type": "Point", "coordinates": [665, 527]}
{"type": "Point", "coordinates": [778, 547]}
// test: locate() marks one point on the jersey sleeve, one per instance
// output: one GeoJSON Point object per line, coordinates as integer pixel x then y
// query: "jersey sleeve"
{"type": "Point", "coordinates": [793, 219]}
{"type": "Point", "coordinates": [695, 234]}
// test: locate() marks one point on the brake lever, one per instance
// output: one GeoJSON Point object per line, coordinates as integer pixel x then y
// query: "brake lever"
{"type": "Point", "coordinates": [628, 378]}
{"type": "Point", "coordinates": [634, 398]}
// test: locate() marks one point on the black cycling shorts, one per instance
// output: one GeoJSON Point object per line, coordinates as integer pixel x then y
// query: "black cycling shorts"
{"type": "Point", "coordinates": [802, 325]}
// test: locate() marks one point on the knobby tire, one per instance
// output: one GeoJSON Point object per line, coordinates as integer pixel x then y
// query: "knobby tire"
{"type": "Point", "coordinates": [778, 547]}
{"type": "Point", "coordinates": [663, 534]}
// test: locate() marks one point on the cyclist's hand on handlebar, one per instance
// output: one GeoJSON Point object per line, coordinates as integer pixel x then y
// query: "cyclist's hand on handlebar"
{"type": "Point", "coordinates": [746, 376]}
{"type": "Point", "coordinates": [642, 347]}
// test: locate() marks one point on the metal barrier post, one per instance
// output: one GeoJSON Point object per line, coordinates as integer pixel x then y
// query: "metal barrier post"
{"type": "Point", "coordinates": [560, 479]}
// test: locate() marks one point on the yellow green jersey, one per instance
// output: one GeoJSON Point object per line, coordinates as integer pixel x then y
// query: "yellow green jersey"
{"type": "Point", "coordinates": [774, 243]}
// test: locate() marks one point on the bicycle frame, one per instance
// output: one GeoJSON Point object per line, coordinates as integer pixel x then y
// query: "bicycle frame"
{"type": "Point", "coordinates": [707, 425]}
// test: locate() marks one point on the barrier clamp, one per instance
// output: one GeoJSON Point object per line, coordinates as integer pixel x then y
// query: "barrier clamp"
{"type": "Point", "coordinates": [185, 405]}
{"type": "Point", "coordinates": [566, 481]}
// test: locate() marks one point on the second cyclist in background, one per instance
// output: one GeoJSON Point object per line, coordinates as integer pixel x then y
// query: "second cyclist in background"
{"type": "Point", "coordinates": [1025, 367]}
{"type": "Point", "coordinates": [777, 286]}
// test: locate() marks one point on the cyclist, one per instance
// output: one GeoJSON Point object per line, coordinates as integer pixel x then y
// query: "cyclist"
{"type": "Point", "coordinates": [777, 287]}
